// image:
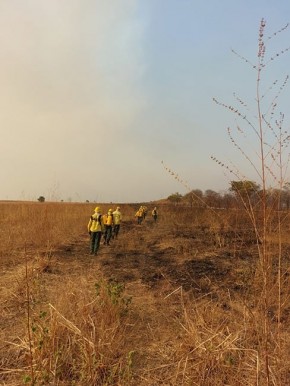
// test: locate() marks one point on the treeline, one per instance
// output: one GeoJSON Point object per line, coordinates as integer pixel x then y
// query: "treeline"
{"type": "Point", "coordinates": [239, 194]}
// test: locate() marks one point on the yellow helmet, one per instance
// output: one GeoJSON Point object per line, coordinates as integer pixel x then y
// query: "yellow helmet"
{"type": "Point", "coordinates": [97, 209]}
{"type": "Point", "coordinates": [110, 210]}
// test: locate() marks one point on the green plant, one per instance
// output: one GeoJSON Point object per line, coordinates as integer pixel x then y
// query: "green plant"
{"type": "Point", "coordinates": [115, 292]}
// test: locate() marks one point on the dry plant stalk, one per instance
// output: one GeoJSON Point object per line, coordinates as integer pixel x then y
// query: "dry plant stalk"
{"type": "Point", "coordinates": [270, 168]}
{"type": "Point", "coordinates": [270, 164]}
{"type": "Point", "coordinates": [78, 331]}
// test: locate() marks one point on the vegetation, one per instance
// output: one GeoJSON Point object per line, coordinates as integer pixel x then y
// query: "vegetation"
{"type": "Point", "coordinates": [261, 124]}
{"type": "Point", "coordinates": [228, 199]}
{"type": "Point", "coordinates": [175, 197]}
{"type": "Point", "coordinates": [177, 302]}
{"type": "Point", "coordinates": [199, 298]}
{"type": "Point", "coordinates": [269, 162]}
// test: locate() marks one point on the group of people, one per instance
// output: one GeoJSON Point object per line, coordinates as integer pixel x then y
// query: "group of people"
{"type": "Point", "coordinates": [142, 213]}
{"type": "Point", "coordinates": [108, 225]}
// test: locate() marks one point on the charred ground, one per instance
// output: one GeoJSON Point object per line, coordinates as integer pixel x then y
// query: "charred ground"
{"type": "Point", "coordinates": [162, 267]}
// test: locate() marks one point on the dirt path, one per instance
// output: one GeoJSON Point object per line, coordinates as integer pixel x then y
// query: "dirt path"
{"type": "Point", "coordinates": [139, 260]}
{"type": "Point", "coordinates": [154, 330]}
{"type": "Point", "coordinates": [156, 269]}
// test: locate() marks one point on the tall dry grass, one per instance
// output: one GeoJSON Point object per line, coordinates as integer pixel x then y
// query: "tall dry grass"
{"type": "Point", "coordinates": [39, 226]}
{"type": "Point", "coordinates": [60, 333]}
{"type": "Point", "coordinates": [259, 136]}
{"type": "Point", "coordinates": [270, 165]}
{"type": "Point", "coordinates": [72, 326]}
{"type": "Point", "coordinates": [261, 140]}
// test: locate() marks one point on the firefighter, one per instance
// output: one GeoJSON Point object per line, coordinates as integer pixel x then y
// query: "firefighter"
{"type": "Point", "coordinates": [154, 214]}
{"type": "Point", "coordinates": [117, 218]}
{"type": "Point", "coordinates": [145, 210]}
{"type": "Point", "coordinates": [109, 223]}
{"type": "Point", "coordinates": [95, 229]}
{"type": "Point", "coordinates": [139, 215]}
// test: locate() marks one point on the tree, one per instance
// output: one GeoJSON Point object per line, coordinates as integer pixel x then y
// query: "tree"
{"type": "Point", "coordinates": [246, 192]}
{"type": "Point", "coordinates": [194, 197]}
{"type": "Point", "coordinates": [212, 198]}
{"type": "Point", "coordinates": [228, 200]}
{"type": "Point", "coordinates": [244, 188]}
{"type": "Point", "coordinates": [175, 198]}
{"type": "Point", "coordinates": [41, 199]}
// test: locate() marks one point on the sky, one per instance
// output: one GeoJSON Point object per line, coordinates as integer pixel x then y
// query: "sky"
{"type": "Point", "coordinates": [99, 97]}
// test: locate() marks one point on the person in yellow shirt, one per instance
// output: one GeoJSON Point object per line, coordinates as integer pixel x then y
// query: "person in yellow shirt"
{"type": "Point", "coordinates": [117, 217]}
{"type": "Point", "coordinates": [145, 210]}
{"type": "Point", "coordinates": [109, 223]}
{"type": "Point", "coordinates": [95, 229]}
{"type": "Point", "coordinates": [154, 214]}
{"type": "Point", "coordinates": [139, 215]}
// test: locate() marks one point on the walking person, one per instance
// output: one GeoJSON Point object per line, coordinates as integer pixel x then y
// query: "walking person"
{"type": "Point", "coordinates": [109, 223]}
{"type": "Point", "coordinates": [139, 215]}
{"type": "Point", "coordinates": [95, 229]}
{"type": "Point", "coordinates": [154, 214]}
{"type": "Point", "coordinates": [117, 218]}
{"type": "Point", "coordinates": [145, 210]}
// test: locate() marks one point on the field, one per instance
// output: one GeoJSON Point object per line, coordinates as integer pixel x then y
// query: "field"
{"type": "Point", "coordinates": [179, 302]}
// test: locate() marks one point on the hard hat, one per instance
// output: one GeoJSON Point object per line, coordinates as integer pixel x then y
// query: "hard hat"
{"type": "Point", "coordinates": [118, 208]}
{"type": "Point", "coordinates": [97, 209]}
{"type": "Point", "coordinates": [110, 210]}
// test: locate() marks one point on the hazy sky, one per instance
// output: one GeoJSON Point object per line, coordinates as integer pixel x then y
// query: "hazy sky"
{"type": "Point", "coordinates": [95, 94]}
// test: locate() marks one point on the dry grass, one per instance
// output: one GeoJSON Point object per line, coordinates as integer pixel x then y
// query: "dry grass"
{"type": "Point", "coordinates": [184, 307]}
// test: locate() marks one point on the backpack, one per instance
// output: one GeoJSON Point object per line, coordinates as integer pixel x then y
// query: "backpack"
{"type": "Point", "coordinates": [98, 219]}
{"type": "Point", "coordinates": [109, 219]}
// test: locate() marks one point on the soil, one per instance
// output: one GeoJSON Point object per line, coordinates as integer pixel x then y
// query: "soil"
{"type": "Point", "coordinates": [158, 266]}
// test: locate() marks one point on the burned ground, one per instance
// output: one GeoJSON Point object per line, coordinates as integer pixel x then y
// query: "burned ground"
{"type": "Point", "coordinates": [160, 266]}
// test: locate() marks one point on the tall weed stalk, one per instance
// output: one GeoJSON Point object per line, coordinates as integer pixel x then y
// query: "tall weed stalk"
{"type": "Point", "coordinates": [270, 166]}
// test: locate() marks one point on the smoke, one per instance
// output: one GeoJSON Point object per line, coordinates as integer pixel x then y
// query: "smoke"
{"type": "Point", "coordinates": [70, 73]}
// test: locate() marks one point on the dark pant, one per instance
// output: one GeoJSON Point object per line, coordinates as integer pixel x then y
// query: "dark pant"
{"type": "Point", "coordinates": [116, 230]}
{"type": "Point", "coordinates": [108, 234]}
{"type": "Point", "coordinates": [95, 241]}
{"type": "Point", "coordinates": [154, 217]}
